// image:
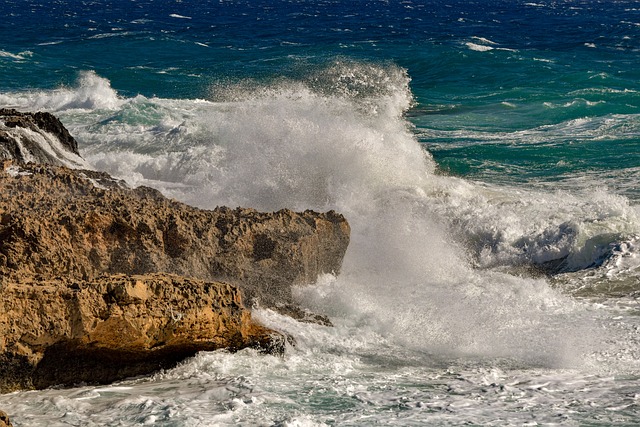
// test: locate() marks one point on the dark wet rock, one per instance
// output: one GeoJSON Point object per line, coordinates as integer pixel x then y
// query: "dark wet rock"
{"type": "Point", "coordinates": [37, 137]}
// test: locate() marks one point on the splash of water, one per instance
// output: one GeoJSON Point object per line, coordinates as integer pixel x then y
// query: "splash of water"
{"type": "Point", "coordinates": [91, 92]}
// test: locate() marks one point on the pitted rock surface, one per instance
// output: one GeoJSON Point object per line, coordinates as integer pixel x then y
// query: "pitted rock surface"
{"type": "Point", "coordinates": [56, 221]}
{"type": "Point", "coordinates": [65, 331]}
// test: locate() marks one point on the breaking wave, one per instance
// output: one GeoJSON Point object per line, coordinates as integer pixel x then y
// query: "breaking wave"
{"type": "Point", "coordinates": [435, 262]}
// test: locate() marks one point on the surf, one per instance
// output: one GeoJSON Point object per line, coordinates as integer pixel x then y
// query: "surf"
{"type": "Point", "coordinates": [339, 139]}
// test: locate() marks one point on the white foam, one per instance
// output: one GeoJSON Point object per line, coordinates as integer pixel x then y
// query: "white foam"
{"type": "Point", "coordinates": [116, 33]}
{"type": "Point", "coordinates": [479, 47]}
{"type": "Point", "coordinates": [48, 142]}
{"type": "Point", "coordinates": [17, 57]}
{"type": "Point", "coordinates": [338, 140]}
{"type": "Point", "coordinates": [15, 171]}
{"type": "Point", "coordinates": [90, 93]}
{"type": "Point", "coordinates": [484, 40]}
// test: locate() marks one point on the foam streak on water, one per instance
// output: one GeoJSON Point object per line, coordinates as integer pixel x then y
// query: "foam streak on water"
{"type": "Point", "coordinates": [437, 319]}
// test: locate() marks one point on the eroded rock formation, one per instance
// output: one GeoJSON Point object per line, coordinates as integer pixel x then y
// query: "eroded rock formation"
{"type": "Point", "coordinates": [56, 221]}
{"type": "Point", "coordinates": [62, 331]}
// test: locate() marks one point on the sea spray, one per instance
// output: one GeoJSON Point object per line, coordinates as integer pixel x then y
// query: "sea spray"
{"type": "Point", "coordinates": [418, 238]}
{"type": "Point", "coordinates": [91, 92]}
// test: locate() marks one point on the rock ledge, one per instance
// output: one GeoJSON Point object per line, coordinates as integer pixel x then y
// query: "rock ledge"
{"type": "Point", "coordinates": [64, 332]}
{"type": "Point", "coordinates": [80, 224]}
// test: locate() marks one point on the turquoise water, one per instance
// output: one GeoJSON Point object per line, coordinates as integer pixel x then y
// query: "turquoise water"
{"type": "Point", "coordinates": [486, 155]}
{"type": "Point", "coordinates": [555, 81]}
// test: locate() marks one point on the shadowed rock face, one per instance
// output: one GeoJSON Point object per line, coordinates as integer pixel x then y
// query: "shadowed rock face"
{"type": "Point", "coordinates": [63, 331]}
{"type": "Point", "coordinates": [37, 137]}
{"type": "Point", "coordinates": [4, 420]}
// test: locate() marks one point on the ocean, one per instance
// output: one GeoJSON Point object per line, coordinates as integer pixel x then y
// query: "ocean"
{"type": "Point", "coordinates": [487, 157]}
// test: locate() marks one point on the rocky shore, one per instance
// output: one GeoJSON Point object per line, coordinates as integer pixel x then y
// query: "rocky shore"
{"type": "Point", "coordinates": [79, 224]}
{"type": "Point", "coordinates": [37, 137]}
{"type": "Point", "coordinates": [99, 281]}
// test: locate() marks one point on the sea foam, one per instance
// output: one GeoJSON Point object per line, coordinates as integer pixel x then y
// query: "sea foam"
{"type": "Point", "coordinates": [92, 92]}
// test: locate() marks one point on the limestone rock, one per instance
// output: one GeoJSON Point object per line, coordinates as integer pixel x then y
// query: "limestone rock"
{"type": "Point", "coordinates": [4, 420]}
{"type": "Point", "coordinates": [59, 222]}
{"type": "Point", "coordinates": [56, 221]}
{"type": "Point", "coordinates": [89, 290]}
{"type": "Point", "coordinates": [62, 331]}
{"type": "Point", "coordinates": [37, 137]}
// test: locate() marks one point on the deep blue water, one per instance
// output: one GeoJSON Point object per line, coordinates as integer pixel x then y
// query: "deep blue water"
{"type": "Point", "coordinates": [536, 67]}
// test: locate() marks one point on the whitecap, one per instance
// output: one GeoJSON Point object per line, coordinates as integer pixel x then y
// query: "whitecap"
{"type": "Point", "coordinates": [478, 47]}
{"type": "Point", "coordinates": [21, 56]}
{"type": "Point", "coordinates": [113, 34]}
{"type": "Point", "coordinates": [91, 92]}
{"type": "Point", "coordinates": [484, 40]}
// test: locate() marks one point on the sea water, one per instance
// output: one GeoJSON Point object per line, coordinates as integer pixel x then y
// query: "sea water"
{"type": "Point", "coordinates": [486, 155]}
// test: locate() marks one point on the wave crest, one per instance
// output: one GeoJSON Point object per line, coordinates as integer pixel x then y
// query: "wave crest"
{"type": "Point", "coordinates": [373, 89]}
{"type": "Point", "coordinates": [91, 92]}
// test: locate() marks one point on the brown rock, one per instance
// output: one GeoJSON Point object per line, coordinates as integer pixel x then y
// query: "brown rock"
{"type": "Point", "coordinates": [81, 299]}
{"type": "Point", "coordinates": [64, 331]}
{"type": "Point", "coordinates": [56, 221]}
{"type": "Point", "coordinates": [4, 420]}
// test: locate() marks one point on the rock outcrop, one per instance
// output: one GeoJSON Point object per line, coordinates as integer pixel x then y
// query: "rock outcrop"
{"type": "Point", "coordinates": [62, 331]}
{"type": "Point", "coordinates": [56, 221]}
{"type": "Point", "coordinates": [99, 281]}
